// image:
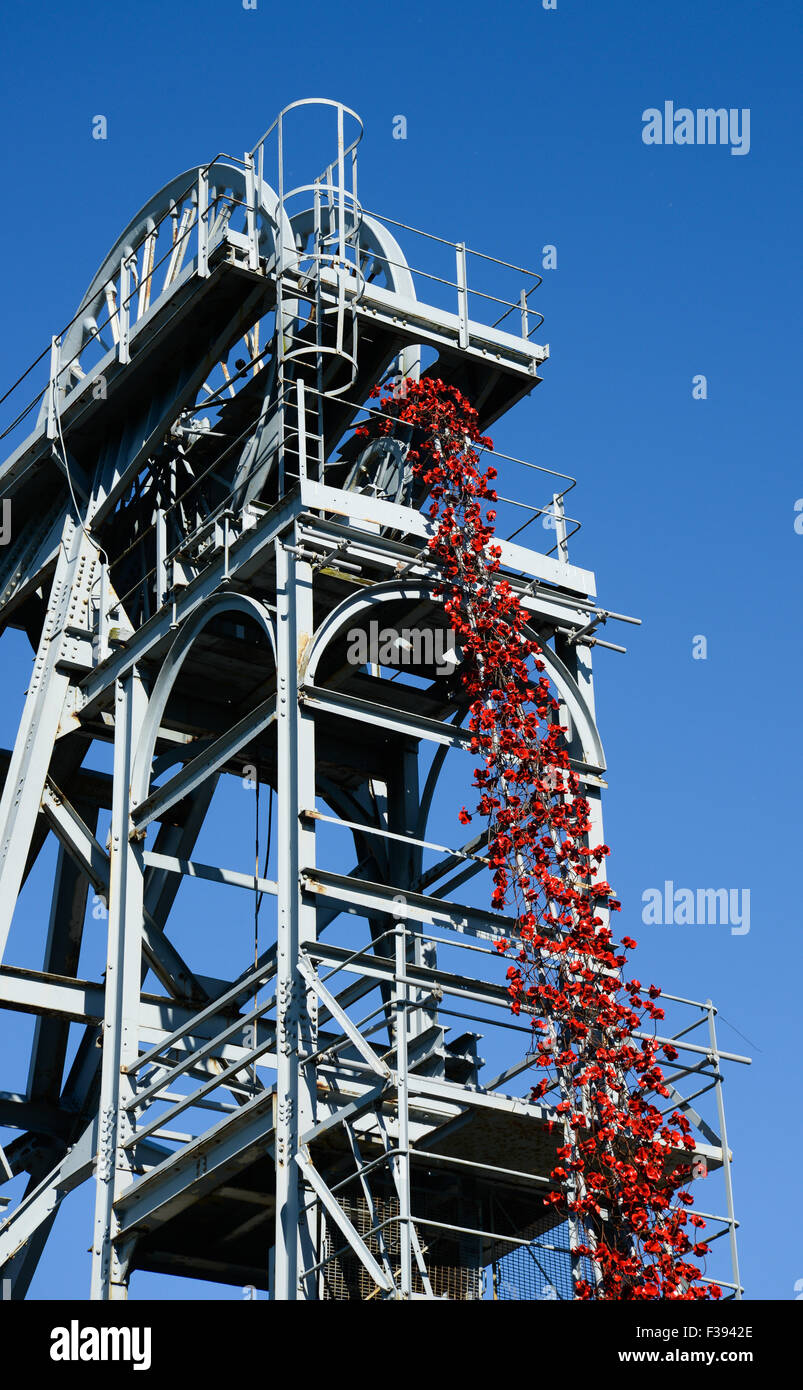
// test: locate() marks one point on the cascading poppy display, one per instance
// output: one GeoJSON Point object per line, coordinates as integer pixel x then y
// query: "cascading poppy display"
{"type": "Point", "coordinates": [621, 1180]}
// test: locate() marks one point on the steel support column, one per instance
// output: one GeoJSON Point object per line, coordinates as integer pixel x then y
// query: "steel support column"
{"type": "Point", "coordinates": [726, 1153]}
{"type": "Point", "coordinates": [121, 1017]}
{"type": "Point", "coordinates": [296, 1008]}
{"type": "Point", "coordinates": [403, 1159]}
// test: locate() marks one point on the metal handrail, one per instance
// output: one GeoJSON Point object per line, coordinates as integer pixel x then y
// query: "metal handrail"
{"type": "Point", "coordinates": [204, 216]}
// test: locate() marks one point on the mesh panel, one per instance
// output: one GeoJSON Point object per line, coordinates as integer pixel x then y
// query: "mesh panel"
{"type": "Point", "coordinates": [345, 1277]}
{"type": "Point", "coordinates": [541, 1270]}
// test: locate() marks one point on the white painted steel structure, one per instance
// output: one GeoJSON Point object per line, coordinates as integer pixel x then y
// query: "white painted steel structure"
{"type": "Point", "coordinates": [196, 533]}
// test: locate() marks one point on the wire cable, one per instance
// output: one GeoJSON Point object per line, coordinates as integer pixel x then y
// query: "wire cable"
{"type": "Point", "coordinates": [104, 559]}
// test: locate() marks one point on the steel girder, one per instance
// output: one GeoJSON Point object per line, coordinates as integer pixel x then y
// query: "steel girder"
{"type": "Point", "coordinates": [239, 663]}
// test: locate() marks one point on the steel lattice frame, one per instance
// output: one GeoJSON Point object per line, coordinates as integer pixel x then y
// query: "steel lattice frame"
{"type": "Point", "coordinates": [349, 1153]}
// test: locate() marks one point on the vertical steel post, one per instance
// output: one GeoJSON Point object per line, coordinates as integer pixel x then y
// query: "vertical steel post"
{"type": "Point", "coordinates": [53, 386]}
{"type": "Point", "coordinates": [462, 293]}
{"type": "Point", "coordinates": [559, 513]}
{"type": "Point", "coordinates": [281, 404]}
{"type": "Point", "coordinates": [341, 190]}
{"type": "Point", "coordinates": [280, 205]}
{"type": "Point", "coordinates": [124, 311]}
{"type": "Point", "coordinates": [146, 283]}
{"type": "Point", "coordinates": [203, 223]}
{"type": "Point", "coordinates": [726, 1155]}
{"type": "Point", "coordinates": [160, 579]}
{"type": "Point", "coordinates": [317, 259]}
{"type": "Point", "coordinates": [577, 656]}
{"type": "Point", "coordinates": [301, 412]}
{"type": "Point", "coordinates": [103, 617]}
{"type": "Point", "coordinates": [251, 214]}
{"type": "Point", "coordinates": [404, 861]}
{"type": "Point", "coordinates": [122, 998]}
{"type": "Point", "coordinates": [295, 1013]}
{"type": "Point", "coordinates": [403, 1169]}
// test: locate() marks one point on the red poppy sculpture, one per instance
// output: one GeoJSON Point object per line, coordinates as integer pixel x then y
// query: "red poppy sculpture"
{"type": "Point", "coordinates": [623, 1165]}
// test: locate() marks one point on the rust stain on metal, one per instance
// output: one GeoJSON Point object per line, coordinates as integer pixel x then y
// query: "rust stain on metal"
{"type": "Point", "coordinates": [304, 641]}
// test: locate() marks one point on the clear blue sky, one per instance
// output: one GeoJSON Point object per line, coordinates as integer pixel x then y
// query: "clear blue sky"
{"type": "Point", "coordinates": [524, 129]}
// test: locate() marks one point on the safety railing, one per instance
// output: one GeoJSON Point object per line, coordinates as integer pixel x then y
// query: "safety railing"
{"type": "Point", "coordinates": [438, 995]}
{"type": "Point", "coordinates": [301, 454]}
{"type": "Point", "coordinates": [515, 516]}
{"type": "Point", "coordinates": [179, 240]}
{"type": "Point", "coordinates": [385, 1008]}
{"type": "Point", "coordinates": [173, 244]}
{"type": "Point", "coordinates": [225, 1064]}
{"type": "Point", "coordinates": [467, 280]}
